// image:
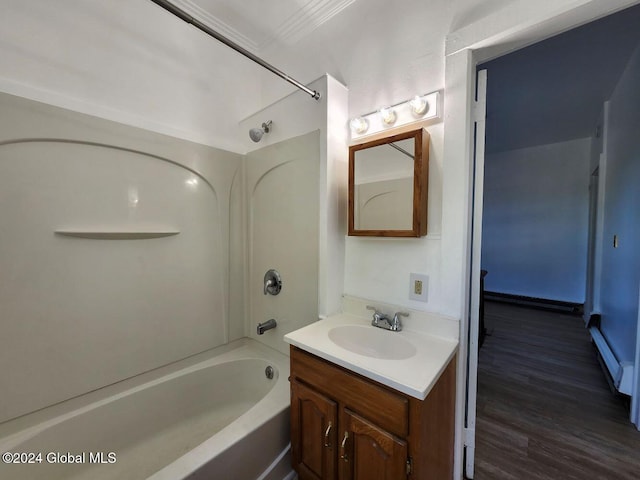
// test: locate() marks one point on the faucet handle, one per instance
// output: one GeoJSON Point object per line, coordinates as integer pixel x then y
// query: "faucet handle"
{"type": "Point", "coordinates": [377, 315]}
{"type": "Point", "coordinates": [397, 324]}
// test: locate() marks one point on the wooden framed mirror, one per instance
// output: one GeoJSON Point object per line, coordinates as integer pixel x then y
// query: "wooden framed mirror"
{"type": "Point", "coordinates": [388, 183]}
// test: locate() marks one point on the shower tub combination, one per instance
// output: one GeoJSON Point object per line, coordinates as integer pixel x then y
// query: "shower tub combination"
{"type": "Point", "coordinates": [117, 218]}
{"type": "Point", "coordinates": [222, 414]}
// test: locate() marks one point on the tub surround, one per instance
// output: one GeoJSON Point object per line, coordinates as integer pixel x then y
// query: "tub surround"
{"type": "Point", "coordinates": [282, 234]}
{"type": "Point", "coordinates": [82, 313]}
{"type": "Point", "coordinates": [433, 337]}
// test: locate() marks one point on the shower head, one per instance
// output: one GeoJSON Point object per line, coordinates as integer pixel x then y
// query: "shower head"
{"type": "Point", "coordinates": [256, 133]}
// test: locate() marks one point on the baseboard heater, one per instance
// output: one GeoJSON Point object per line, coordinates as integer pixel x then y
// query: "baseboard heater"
{"type": "Point", "coordinates": [621, 372]}
{"type": "Point", "coordinates": [542, 303]}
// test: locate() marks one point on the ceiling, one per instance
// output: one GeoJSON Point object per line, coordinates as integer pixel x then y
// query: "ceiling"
{"type": "Point", "coordinates": [554, 90]}
{"type": "Point", "coordinates": [254, 27]}
{"type": "Point", "coordinates": [136, 63]}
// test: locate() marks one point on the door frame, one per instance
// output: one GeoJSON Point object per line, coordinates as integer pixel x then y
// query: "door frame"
{"type": "Point", "coordinates": [589, 301]}
{"type": "Point", "coordinates": [480, 111]}
{"type": "Point", "coordinates": [515, 26]}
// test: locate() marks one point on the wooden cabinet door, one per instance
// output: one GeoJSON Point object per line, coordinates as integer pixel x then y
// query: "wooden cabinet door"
{"type": "Point", "coordinates": [313, 433]}
{"type": "Point", "coordinates": [367, 452]}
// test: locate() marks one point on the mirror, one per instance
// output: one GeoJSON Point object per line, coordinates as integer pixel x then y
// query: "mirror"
{"type": "Point", "coordinates": [388, 181]}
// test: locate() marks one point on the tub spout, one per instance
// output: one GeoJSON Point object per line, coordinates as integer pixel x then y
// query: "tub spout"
{"type": "Point", "coordinates": [268, 325]}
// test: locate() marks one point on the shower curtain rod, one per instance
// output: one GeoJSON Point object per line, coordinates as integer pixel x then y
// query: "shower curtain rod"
{"type": "Point", "coordinates": [209, 31]}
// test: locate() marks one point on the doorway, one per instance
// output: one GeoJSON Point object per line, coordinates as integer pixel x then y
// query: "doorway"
{"type": "Point", "coordinates": [539, 217]}
{"type": "Point", "coordinates": [497, 34]}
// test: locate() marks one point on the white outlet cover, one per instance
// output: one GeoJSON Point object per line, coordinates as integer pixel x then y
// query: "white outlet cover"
{"type": "Point", "coordinates": [425, 287]}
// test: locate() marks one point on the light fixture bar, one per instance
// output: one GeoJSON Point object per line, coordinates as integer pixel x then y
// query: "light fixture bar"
{"type": "Point", "coordinates": [416, 109]}
{"type": "Point", "coordinates": [170, 7]}
{"type": "Point", "coordinates": [375, 112]}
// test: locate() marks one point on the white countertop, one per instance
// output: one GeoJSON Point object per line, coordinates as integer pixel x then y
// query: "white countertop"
{"type": "Point", "coordinates": [414, 376]}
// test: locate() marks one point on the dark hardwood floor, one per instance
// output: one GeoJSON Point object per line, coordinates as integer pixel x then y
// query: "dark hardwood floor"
{"type": "Point", "coordinates": [545, 410]}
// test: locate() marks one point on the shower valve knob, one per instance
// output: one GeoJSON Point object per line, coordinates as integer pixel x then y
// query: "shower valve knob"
{"type": "Point", "coordinates": [272, 282]}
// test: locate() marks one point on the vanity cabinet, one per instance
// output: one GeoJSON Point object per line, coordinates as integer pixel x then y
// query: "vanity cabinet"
{"type": "Point", "coordinates": [347, 427]}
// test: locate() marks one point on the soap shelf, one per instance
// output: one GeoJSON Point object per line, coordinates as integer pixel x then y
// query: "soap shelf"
{"type": "Point", "coordinates": [116, 234]}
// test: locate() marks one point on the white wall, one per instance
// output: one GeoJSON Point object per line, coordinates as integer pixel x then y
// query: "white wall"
{"type": "Point", "coordinates": [379, 268]}
{"type": "Point", "coordinates": [535, 221]}
{"type": "Point", "coordinates": [621, 266]}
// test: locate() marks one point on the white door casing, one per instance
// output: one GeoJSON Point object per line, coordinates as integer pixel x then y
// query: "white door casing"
{"type": "Point", "coordinates": [479, 118]}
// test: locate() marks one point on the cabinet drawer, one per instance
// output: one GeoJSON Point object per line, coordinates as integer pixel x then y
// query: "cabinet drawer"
{"type": "Point", "coordinates": [386, 408]}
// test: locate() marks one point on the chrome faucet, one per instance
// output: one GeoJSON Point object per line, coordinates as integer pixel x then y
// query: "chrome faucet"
{"type": "Point", "coordinates": [268, 325]}
{"type": "Point", "coordinates": [382, 320]}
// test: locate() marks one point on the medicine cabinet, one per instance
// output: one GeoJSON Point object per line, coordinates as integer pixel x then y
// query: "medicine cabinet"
{"type": "Point", "coordinates": [388, 183]}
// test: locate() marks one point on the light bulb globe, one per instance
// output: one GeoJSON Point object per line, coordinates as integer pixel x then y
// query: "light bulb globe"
{"type": "Point", "coordinates": [419, 105]}
{"type": "Point", "coordinates": [388, 115]}
{"type": "Point", "coordinates": [359, 125]}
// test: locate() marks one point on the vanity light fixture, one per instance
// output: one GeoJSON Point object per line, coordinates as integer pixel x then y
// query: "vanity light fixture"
{"type": "Point", "coordinates": [359, 125]}
{"type": "Point", "coordinates": [416, 109]}
{"type": "Point", "coordinates": [388, 115]}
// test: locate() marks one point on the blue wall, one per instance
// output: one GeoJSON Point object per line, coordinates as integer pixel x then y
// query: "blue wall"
{"type": "Point", "coordinates": [535, 221]}
{"type": "Point", "coordinates": [621, 266]}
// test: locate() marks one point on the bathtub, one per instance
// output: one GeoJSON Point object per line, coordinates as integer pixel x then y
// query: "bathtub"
{"type": "Point", "coordinates": [215, 416]}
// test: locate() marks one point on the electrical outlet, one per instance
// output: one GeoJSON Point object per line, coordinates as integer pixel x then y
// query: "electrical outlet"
{"type": "Point", "coordinates": [418, 287]}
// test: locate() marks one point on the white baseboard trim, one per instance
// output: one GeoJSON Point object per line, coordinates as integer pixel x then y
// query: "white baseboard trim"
{"type": "Point", "coordinates": [626, 380]}
{"type": "Point", "coordinates": [621, 372]}
{"type": "Point", "coordinates": [607, 355]}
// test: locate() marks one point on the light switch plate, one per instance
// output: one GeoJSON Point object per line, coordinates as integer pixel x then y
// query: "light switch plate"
{"type": "Point", "coordinates": [418, 284]}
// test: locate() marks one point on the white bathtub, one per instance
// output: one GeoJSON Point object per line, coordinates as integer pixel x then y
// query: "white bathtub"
{"type": "Point", "coordinates": [214, 416]}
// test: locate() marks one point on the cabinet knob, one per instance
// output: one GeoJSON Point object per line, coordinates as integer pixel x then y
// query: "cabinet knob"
{"type": "Point", "coordinates": [326, 435]}
{"type": "Point", "coordinates": [344, 447]}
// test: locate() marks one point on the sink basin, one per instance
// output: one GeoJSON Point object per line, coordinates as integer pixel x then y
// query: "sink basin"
{"type": "Point", "coordinates": [372, 342]}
